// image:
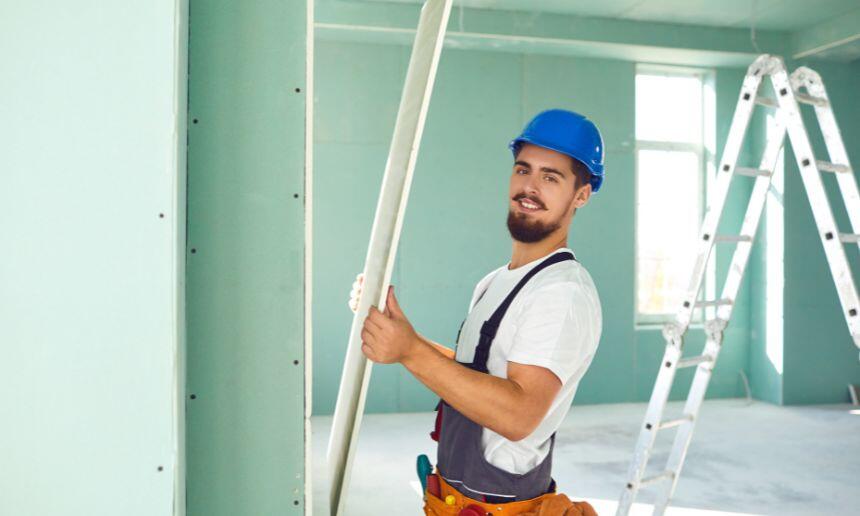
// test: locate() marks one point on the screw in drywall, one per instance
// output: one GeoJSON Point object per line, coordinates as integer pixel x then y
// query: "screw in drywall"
{"type": "Point", "coordinates": [295, 362]}
{"type": "Point", "coordinates": [629, 486]}
{"type": "Point", "coordinates": [668, 364]}
{"type": "Point", "coordinates": [295, 502]}
{"type": "Point", "coordinates": [160, 468]}
{"type": "Point", "coordinates": [686, 304]}
{"type": "Point", "coordinates": [648, 426]}
{"type": "Point", "coordinates": [161, 215]}
{"type": "Point", "coordinates": [705, 237]}
{"type": "Point", "coordinates": [193, 251]}
{"type": "Point", "coordinates": [746, 96]}
{"type": "Point", "coordinates": [783, 92]}
{"type": "Point", "coordinates": [828, 235]}
{"type": "Point", "coordinates": [193, 396]}
{"type": "Point", "coordinates": [194, 121]}
{"type": "Point", "coordinates": [852, 312]}
{"type": "Point", "coordinates": [805, 162]}
{"type": "Point", "coordinates": [298, 90]}
{"type": "Point", "coordinates": [726, 168]}
{"type": "Point", "coordinates": [295, 196]}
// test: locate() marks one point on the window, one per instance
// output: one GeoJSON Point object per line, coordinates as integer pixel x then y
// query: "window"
{"type": "Point", "coordinates": [674, 151]}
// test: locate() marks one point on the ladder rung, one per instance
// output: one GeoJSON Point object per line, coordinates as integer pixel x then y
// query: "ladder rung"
{"type": "Point", "coordinates": [675, 422]}
{"type": "Point", "coordinates": [826, 166]}
{"type": "Point", "coordinates": [753, 172]}
{"type": "Point", "coordinates": [766, 101]}
{"type": "Point", "coordinates": [656, 478]}
{"type": "Point", "coordinates": [809, 99]}
{"type": "Point", "coordinates": [732, 238]}
{"type": "Point", "coordinates": [715, 302]}
{"type": "Point", "coordinates": [849, 238]}
{"type": "Point", "coordinates": [692, 361]}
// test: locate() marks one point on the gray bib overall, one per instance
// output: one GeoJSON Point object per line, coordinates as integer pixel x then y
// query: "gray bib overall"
{"type": "Point", "coordinates": [460, 458]}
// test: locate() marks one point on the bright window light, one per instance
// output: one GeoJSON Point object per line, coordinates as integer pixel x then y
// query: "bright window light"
{"type": "Point", "coordinates": [669, 108]}
{"type": "Point", "coordinates": [667, 229]}
{"type": "Point", "coordinates": [774, 246]}
{"type": "Point", "coordinates": [671, 160]}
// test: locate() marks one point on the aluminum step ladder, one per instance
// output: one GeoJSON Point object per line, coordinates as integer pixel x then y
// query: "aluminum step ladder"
{"type": "Point", "coordinates": [788, 93]}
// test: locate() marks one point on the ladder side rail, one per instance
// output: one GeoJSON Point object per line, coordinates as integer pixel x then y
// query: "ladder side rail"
{"type": "Point", "coordinates": [821, 211]}
{"type": "Point", "coordinates": [811, 80]}
{"type": "Point", "coordinates": [650, 426]}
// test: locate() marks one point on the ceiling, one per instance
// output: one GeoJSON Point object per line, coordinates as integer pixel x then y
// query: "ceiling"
{"type": "Point", "coordinates": [781, 15]}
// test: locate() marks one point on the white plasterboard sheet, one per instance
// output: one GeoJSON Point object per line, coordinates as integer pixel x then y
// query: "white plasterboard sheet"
{"type": "Point", "coordinates": [384, 237]}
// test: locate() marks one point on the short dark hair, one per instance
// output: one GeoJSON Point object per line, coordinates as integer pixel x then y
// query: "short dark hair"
{"type": "Point", "coordinates": [580, 169]}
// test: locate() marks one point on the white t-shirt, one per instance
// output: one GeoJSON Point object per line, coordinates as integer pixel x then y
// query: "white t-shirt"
{"type": "Point", "coordinates": [554, 322]}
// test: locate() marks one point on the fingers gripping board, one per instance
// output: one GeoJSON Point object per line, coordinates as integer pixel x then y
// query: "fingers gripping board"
{"type": "Point", "coordinates": [384, 238]}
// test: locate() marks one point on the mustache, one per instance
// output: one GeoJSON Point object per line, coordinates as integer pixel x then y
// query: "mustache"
{"type": "Point", "coordinates": [532, 199]}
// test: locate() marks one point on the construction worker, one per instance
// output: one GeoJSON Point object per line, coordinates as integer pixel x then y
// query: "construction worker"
{"type": "Point", "coordinates": [531, 332]}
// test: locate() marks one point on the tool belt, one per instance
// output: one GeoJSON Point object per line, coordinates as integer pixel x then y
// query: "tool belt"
{"type": "Point", "coordinates": [450, 502]}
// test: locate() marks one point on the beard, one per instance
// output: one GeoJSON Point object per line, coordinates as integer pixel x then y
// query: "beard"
{"type": "Point", "coordinates": [529, 231]}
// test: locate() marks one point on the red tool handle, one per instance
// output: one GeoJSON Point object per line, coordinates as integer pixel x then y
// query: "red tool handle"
{"type": "Point", "coordinates": [433, 486]}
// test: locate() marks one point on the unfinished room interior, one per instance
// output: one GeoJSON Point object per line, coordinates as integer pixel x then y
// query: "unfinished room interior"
{"type": "Point", "coordinates": [441, 257]}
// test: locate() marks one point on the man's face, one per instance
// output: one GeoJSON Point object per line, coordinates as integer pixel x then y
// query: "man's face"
{"type": "Point", "coordinates": [543, 193]}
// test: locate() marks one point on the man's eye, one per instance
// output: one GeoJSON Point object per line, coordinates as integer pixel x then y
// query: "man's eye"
{"type": "Point", "coordinates": [522, 170]}
{"type": "Point", "coordinates": [551, 178]}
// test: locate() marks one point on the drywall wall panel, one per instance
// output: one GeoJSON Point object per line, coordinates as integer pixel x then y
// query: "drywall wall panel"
{"type": "Point", "coordinates": [248, 90]}
{"type": "Point", "coordinates": [92, 103]}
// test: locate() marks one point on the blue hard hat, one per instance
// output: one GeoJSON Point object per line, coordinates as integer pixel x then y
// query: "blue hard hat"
{"type": "Point", "coordinates": [569, 133]}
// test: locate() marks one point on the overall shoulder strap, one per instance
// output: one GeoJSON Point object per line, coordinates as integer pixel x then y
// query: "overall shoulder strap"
{"type": "Point", "coordinates": [491, 325]}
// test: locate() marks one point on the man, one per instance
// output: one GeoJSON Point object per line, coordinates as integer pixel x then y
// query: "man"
{"type": "Point", "coordinates": [531, 332]}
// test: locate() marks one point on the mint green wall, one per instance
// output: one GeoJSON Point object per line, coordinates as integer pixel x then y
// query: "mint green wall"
{"type": "Point", "coordinates": [455, 231]}
{"type": "Point", "coordinates": [92, 211]}
{"type": "Point", "coordinates": [246, 274]}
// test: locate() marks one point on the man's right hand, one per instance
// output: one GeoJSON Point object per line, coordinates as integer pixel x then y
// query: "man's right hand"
{"type": "Point", "coordinates": [355, 297]}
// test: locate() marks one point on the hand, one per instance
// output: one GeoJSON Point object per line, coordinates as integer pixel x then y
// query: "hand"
{"type": "Point", "coordinates": [355, 294]}
{"type": "Point", "coordinates": [388, 337]}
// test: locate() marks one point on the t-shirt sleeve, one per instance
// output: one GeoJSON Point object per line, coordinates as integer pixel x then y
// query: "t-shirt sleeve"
{"type": "Point", "coordinates": [554, 329]}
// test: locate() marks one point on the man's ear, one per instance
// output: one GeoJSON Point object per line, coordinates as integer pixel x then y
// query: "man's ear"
{"type": "Point", "coordinates": [580, 198]}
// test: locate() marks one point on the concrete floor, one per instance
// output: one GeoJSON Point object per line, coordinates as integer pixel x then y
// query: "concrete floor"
{"type": "Point", "coordinates": [745, 458]}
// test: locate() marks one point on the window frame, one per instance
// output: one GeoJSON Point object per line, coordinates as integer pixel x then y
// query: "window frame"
{"type": "Point", "coordinates": [706, 156]}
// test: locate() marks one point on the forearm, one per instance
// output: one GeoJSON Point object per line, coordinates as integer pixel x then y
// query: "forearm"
{"type": "Point", "coordinates": [446, 351]}
{"type": "Point", "coordinates": [490, 401]}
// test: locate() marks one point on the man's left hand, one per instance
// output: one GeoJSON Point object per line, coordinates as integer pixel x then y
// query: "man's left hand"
{"type": "Point", "coordinates": [388, 337]}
